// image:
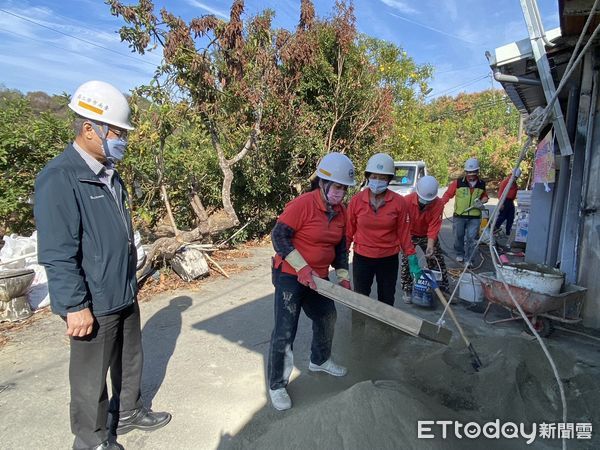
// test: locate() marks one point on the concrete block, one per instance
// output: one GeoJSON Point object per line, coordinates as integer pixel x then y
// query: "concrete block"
{"type": "Point", "coordinates": [190, 264]}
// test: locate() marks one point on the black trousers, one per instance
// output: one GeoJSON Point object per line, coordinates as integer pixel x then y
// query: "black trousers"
{"type": "Point", "coordinates": [115, 343]}
{"type": "Point", "coordinates": [506, 214]}
{"type": "Point", "coordinates": [385, 270]}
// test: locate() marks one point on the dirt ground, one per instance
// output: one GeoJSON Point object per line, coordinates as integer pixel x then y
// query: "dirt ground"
{"type": "Point", "coordinates": [205, 362]}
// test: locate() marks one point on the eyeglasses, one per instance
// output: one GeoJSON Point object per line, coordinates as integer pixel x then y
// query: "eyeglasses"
{"type": "Point", "coordinates": [121, 134]}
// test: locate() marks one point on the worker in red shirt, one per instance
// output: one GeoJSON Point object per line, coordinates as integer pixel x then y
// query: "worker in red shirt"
{"type": "Point", "coordinates": [378, 225]}
{"type": "Point", "coordinates": [308, 238]}
{"type": "Point", "coordinates": [425, 211]}
{"type": "Point", "coordinates": [507, 209]}
{"type": "Point", "coordinates": [470, 199]}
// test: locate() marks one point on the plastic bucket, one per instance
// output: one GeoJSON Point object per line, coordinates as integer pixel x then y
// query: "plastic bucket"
{"type": "Point", "coordinates": [437, 275]}
{"type": "Point", "coordinates": [470, 289]}
{"type": "Point", "coordinates": [422, 295]}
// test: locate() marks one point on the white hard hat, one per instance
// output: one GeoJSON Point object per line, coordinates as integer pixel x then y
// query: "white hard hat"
{"type": "Point", "coordinates": [102, 102]}
{"type": "Point", "coordinates": [337, 168]}
{"type": "Point", "coordinates": [427, 188]}
{"type": "Point", "coordinates": [472, 165]}
{"type": "Point", "coordinates": [381, 163]}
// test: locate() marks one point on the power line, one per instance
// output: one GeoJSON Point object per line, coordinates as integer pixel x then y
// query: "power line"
{"type": "Point", "coordinates": [2, 30]}
{"type": "Point", "coordinates": [77, 38]}
{"type": "Point", "coordinates": [467, 83]}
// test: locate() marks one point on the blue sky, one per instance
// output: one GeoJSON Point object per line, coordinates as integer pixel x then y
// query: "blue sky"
{"type": "Point", "coordinates": [53, 46]}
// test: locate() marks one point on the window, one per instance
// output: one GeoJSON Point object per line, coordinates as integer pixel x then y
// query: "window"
{"type": "Point", "coordinates": [405, 176]}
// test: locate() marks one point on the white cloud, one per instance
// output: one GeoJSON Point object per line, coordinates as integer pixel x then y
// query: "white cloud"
{"type": "Point", "coordinates": [400, 6]}
{"type": "Point", "coordinates": [216, 12]}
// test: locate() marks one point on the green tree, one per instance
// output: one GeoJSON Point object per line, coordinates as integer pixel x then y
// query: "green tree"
{"type": "Point", "coordinates": [27, 141]}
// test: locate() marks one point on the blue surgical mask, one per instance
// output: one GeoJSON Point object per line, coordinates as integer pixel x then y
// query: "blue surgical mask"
{"type": "Point", "coordinates": [378, 186]}
{"type": "Point", "coordinates": [114, 149]}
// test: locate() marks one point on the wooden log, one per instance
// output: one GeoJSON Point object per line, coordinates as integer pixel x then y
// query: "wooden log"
{"type": "Point", "coordinates": [387, 314]}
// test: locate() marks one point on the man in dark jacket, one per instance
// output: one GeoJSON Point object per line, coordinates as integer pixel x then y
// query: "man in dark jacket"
{"type": "Point", "coordinates": [85, 242]}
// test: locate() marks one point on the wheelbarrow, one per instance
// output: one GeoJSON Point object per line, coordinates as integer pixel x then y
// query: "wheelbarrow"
{"type": "Point", "coordinates": [541, 309]}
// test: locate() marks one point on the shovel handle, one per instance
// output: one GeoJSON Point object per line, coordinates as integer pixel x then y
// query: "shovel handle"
{"type": "Point", "coordinates": [451, 312]}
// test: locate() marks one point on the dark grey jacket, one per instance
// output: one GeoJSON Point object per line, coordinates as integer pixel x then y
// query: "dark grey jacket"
{"type": "Point", "coordinates": [85, 239]}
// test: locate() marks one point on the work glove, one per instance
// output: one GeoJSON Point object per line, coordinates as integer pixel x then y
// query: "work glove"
{"type": "Point", "coordinates": [414, 267]}
{"type": "Point", "coordinates": [304, 271]}
{"type": "Point", "coordinates": [343, 278]}
{"type": "Point", "coordinates": [305, 277]}
{"type": "Point", "coordinates": [479, 204]}
{"type": "Point", "coordinates": [346, 284]}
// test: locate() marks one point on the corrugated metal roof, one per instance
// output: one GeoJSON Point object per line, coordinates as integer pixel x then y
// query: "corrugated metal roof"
{"type": "Point", "coordinates": [517, 57]}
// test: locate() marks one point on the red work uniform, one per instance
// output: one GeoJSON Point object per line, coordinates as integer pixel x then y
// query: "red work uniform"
{"type": "Point", "coordinates": [315, 236]}
{"type": "Point", "coordinates": [381, 233]}
{"type": "Point", "coordinates": [512, 193]}
{"type": "Point", "coordinates": [426, 222]}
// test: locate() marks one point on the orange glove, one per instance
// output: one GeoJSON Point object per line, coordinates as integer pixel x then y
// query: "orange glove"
{"type": "Point", "coordinates": [305, 277]}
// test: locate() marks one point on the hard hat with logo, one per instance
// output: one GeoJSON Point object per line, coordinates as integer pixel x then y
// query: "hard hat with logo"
{"type": "Point", "coordinates": [472, 165]}
{"type": "Point", "coordinates": [427, 188]}
{"type": "Point", "coordinates": [102, 102]}
{"type": "Point", "coordinates": [381, 163]}
{"type": "Point", "coordinates": [338, 168]}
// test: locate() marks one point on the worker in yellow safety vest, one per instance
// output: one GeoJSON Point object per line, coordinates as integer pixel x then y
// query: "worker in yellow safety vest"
{"type": "Point", "coordinates": [470, 199]}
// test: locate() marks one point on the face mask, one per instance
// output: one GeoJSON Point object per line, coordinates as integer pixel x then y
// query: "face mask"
{"type": "Point", "coordinates": [472, 183]}
{"type": "Point", "coordinates": [335, 196]}
{"type": "Point", "coordinates": [114, 149]}
{"type": "Point", "coordinates": [378, 186]}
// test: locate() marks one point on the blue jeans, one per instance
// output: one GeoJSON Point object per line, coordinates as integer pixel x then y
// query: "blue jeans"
{"type": "Point", "coordinates": [290, 296]}
{"type": "Point", "coordinates": [465, 230]}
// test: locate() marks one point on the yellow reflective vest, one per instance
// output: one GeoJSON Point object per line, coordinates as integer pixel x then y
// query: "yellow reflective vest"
{"type": "Point", "coordinates": [466, 196]}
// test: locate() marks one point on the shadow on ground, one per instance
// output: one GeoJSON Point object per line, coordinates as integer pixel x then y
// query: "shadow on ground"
{"type": "Point", "coordinates": [159, 337]}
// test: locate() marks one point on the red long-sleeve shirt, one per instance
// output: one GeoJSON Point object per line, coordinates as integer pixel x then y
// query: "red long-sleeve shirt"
{"type": "Point", "coordinates": [512, 193]}
{"type": "Point", "coordinates": [315, 235]}
{"type": "Point", "coordinates": [382, 233]}
{"type": "Point", "coordinates": [426, 221]}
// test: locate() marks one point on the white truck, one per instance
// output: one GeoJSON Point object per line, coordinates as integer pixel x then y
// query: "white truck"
{"type": "Point", "coordinates": [407, 175]}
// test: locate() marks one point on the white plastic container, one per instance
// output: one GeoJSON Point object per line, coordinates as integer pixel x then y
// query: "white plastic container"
{"type": "Point", "coordinates": [535, 277]}
{"type": "Point", "coordinates": [470, 289]}
{"type": "Point", "coordinates": [437, 275]}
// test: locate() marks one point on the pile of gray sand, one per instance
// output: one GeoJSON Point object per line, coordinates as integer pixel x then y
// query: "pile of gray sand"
{"type": "Point", "coordinates": [430, 382]}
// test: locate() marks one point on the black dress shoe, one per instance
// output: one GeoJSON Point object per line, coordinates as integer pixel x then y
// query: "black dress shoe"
{"type": "Point", "coordinates": [106, 445]}
{"type": "Point", "coordinates": [143, 419]}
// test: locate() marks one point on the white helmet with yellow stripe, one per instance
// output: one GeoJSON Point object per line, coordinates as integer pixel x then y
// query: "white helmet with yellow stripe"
{"type": "Point", "coordinates": [338, 168]}
{"type": "Point", "coordinates": [102, 102]}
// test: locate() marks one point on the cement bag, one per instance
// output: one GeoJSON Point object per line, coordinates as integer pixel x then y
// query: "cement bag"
{"type": "Point", "coordinates": [17, 246]}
